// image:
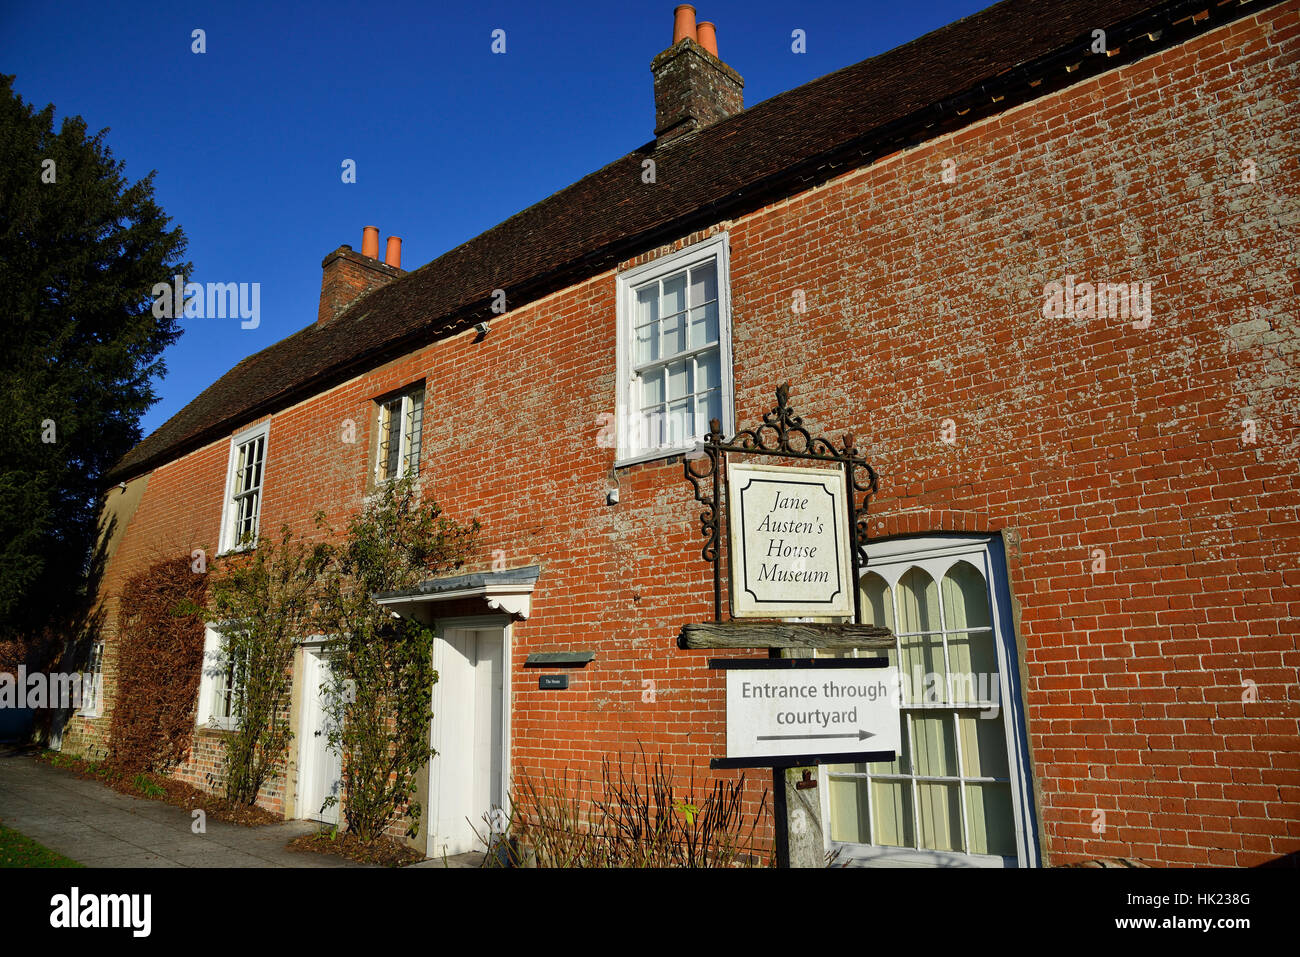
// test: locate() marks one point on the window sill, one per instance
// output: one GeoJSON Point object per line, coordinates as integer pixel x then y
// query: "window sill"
{"type": "Point", "coordinates": [375, 489]}
{"type": "Point", "coordinates": [655, 455]}
{"type": "Point", "coordinates": [876, 855]}
{"type": "Point", "coordinates": [216, 724]}
{"type": "Point", "coordinates": [236, 549]}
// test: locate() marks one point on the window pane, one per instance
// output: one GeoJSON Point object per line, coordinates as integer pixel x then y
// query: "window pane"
{"type": "Point", "coordinates": [646, 323]}
{"type": "Point", "coordinates": [647, 304]}
{"type": "Point", "coordinates": [247, 524]}
{"type": "Point", "coordinates": [706, 371]}
{"type": "Point", "coordinates": [221, 691]}
{"type": "Point", "coordinates": [892, 807]}
{"type": "Point", "coordinates": [652, 388]}
{"type": "Point", "coordinates": [989, 819]}
{"type": "Point", "coordinates": [679, 379]}
{"type": "Point", "coordinates": [971, 655]}
{"type": "Point", "coordinates": [877, 604]}
{"type": "Point", "coordinates": [414, 428]}
{"type": "Point", "coordinates": [934, 750]}
{"type": "Point", "coordinates": [652, 422]}
{"type": "Point", "coordinates": [393, 440]}
{"type": "Point", "coordinates": [704, 325]}
{"type": "Point", "coordinates": [708, 407]}
{"type": "Point", "coordinates": [259, 444]}
{"type": "Point", "coordinates": [918, 611]}
{"type": "Point", "coordinates": [674, 298]}
{"type": "Point", "coordinates": [704, 283]}
{"type": "Point", "coordinates": [680, 423]}
{"type": "Point", "coordinates": [674, 334]}
{"type": "Point", "coordinates": [647, 344]}
{"type": "Point", "coordinates": [848, 799]}
{"type": "Point", "coordinates": [241, 470]}
{"type": "Point", "coordinates": [983, 746]}
{"type": "Point", "coordinates": [939, 816]}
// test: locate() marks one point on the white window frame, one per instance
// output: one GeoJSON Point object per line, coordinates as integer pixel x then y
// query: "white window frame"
{"type": "Point", "coordinates": [407, 398]}
{"type": "Point", "coordinates": [214, 666]}
{"type": "Point", "coordinates": [628, 411]}
{"type": "Point", "coordinates": [891, 559]}
{"type": "Point", "coordinates": [228, 541]}
{"type": "Point", "coordinates": [92, 683]}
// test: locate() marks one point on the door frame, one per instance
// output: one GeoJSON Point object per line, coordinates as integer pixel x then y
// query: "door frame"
{"type": "Point", "coordinates": [312, 649]}
{"type": "Point", "coordinates": [441, 626]}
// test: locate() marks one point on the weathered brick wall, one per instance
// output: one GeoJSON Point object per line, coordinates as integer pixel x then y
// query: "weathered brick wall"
{"type": "Point", "coordinates": [925, 303]}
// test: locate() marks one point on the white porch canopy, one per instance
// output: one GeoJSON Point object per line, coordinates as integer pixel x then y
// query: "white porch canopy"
{"type": "Point", "coordinates": [507, 591]}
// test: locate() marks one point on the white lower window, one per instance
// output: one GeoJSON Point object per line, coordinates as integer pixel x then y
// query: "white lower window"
{"type": "Point", "coordinates": [92, 683]}
{"type": "Point", "coordinates": [958, 792]}
{"type": "Point", "coordinates": [217, 701]}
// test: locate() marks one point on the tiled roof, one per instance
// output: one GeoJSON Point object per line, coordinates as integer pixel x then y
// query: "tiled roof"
{"type": "Point", "coordinates": [775, 148]}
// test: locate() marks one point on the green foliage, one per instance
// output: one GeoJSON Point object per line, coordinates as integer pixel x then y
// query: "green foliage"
{"type": "Point", "coordinates": [380, 699]}
{"type": "Point", "coordinates": [79, 257]}
{"type": "Point", "coordinates": [147, 787]}
{"type": "Point", "coordinates": [261, 602]}
{"type": "Point", "coordinates": [18, 850]}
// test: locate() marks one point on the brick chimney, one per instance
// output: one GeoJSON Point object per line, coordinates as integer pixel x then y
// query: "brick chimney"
{"type": "Point", "coordinates": [346, 276]}
{"type": "Point", "coordinates": [693, 88]}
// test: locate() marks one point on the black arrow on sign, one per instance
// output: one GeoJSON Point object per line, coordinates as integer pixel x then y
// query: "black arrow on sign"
{"type": "Point", "coordinates": [860, 735]}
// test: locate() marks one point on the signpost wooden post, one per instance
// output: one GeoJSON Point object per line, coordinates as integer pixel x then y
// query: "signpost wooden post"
{"type": "Point", "coordinates": [796, 536]}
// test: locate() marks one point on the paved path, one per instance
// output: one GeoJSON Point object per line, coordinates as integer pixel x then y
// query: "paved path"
{"type": "Point", "coordinates": [100, 827]}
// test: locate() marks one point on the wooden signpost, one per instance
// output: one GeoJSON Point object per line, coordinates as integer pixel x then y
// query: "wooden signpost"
{"type": "Point", "coordinates": [796, 536]}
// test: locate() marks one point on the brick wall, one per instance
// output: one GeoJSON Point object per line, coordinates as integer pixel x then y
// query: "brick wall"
{"type": "Point", "coordinates": [925, 303]}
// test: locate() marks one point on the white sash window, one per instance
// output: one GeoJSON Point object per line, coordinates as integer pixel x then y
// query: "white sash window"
{"type": "Point", "coordinates": [674, 352]}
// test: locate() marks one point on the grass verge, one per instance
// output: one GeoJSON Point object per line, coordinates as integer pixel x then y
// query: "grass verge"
{"type": "Point", "coordinates": [18, 850]}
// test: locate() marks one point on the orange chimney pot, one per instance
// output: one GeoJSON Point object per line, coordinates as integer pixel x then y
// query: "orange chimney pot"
{"type": "Point", "coordinates": [393, 252]}
{"type": "Point", "coordinates": [684, 22]}
{"type": "Point", "coordinates": [370, 242]}
{"type": "Point", "coordinates": [707, 35]}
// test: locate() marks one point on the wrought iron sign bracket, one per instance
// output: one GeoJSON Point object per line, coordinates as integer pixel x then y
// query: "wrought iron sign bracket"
{"type": "Point", "coordinates": [782, 434]}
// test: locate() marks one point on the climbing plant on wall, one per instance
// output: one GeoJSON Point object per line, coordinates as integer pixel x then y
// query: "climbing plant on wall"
{"type": "Point", "coordinates": [159, 659]}
{"type": "Point", "coordinates": [381, 697]}
{"type": "Point", "coordinates": [262, 602]}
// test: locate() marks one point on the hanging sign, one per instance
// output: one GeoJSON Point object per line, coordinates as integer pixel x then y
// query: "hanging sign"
{"type": "Point", "coordinates": [789, 542]}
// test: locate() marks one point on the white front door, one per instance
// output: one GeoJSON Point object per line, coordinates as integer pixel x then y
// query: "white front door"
{"type": "Point", "coordinates": [466, 775]}
{"type": "Point", "coordinates": [320, 771]}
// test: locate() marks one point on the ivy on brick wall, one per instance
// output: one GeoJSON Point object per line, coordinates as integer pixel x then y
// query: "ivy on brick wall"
{"type": "Point", "coordinates": [160, 658]}
{"type": "Point", "coordinates": [263, 602]}
{"type": "Point", "coordinates": [381, 696]}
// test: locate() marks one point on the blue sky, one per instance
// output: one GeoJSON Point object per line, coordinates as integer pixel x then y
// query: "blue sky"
{"type": "Point", "coordinates": [449, 139]}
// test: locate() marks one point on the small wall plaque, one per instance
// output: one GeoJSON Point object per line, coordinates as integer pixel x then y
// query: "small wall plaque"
{"type": "Point", "coordinates": [552, 682]}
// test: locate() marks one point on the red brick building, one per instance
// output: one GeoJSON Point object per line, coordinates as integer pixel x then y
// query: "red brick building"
{"type": "Point", "coordinates": [1041, 262]}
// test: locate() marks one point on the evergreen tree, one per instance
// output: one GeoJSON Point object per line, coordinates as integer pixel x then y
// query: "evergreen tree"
{"type": "Point", "coordinates": [80, 252]}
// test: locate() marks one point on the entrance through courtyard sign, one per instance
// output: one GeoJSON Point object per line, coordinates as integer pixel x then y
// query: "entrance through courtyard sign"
{"type": "Point", "coordinates": [790, 711]}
